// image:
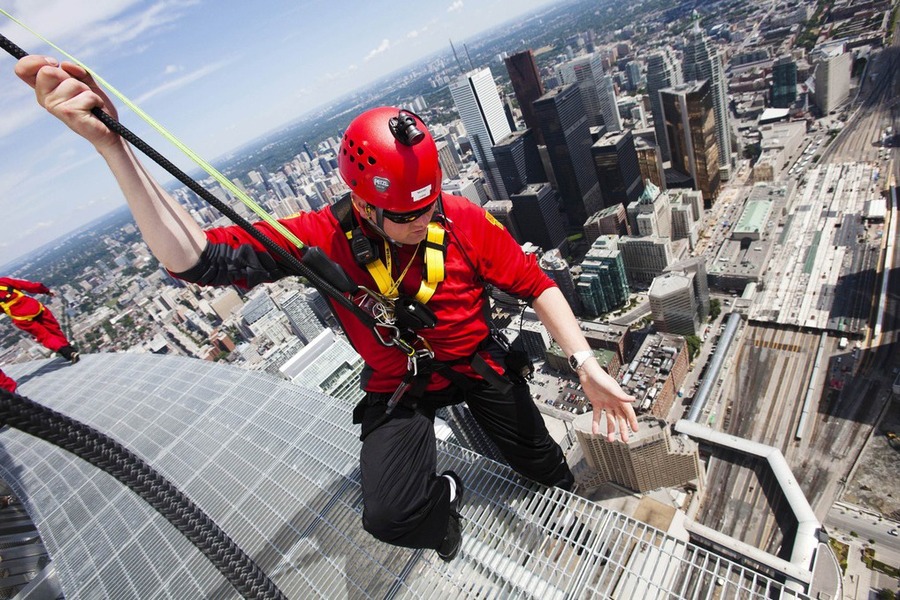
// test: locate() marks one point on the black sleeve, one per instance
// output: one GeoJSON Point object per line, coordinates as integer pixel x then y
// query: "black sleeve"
{"type": "Point", "coordinates": [241, 265]}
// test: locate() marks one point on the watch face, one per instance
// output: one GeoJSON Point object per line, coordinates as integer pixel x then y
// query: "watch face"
{"type": "Point", "coordinates": [573, 362]}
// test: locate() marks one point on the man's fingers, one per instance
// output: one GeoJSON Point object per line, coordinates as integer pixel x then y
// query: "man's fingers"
{"type": "Point", "coordinates": [28, 67]}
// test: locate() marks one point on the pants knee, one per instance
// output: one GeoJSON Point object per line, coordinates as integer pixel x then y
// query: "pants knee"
{"type": "Point", "coordinates": [383, 522]}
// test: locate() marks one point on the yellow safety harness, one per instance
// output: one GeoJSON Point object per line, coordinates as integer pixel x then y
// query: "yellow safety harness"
{"type": "Point", "coordinates": [8, 297]}
{"type": "Point", "coordinates": [432, 271]}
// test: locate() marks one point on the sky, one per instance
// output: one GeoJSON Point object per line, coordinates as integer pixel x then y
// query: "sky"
{"type": "Point", "coordinates": [217, 74]}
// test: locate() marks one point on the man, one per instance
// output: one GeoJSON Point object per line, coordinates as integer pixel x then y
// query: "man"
{"type": "Point", "coordinates": [31, 316]}
{"type": "Point", "coordinates": [395, 233]}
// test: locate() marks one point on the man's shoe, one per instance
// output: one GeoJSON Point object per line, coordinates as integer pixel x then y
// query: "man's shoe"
{"type": "Point", "coordinates": [453, 540]}
{"type": "Point", "coordinates": [74, 358]}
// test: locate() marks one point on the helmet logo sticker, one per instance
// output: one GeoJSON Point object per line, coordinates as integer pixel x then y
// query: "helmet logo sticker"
{"type": "Point", "coordinates": [421, 193]}
{"type": "Point", "coordinates": [381, 183]}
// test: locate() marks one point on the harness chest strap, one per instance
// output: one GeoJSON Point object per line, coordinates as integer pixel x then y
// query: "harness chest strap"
{"type": "Point", "coordinates": [8, 297]}
{"type": "Point", "coordinates": [433, 270]}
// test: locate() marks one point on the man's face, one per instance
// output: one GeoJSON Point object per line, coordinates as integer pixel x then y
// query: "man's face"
{"type": "Point", "coordinates": [405, 228]}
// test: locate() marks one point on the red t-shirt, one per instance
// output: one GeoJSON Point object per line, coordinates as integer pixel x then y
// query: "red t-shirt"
{"type": "Point", "coordinates": [457, 302]}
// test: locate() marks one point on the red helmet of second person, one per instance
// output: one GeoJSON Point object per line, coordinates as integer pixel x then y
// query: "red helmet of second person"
{"type": "Point", "coordinates": [388, 170]}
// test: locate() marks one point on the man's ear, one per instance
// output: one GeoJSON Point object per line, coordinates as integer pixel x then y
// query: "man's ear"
{"type": "Point", "coordinates": [359, 204]}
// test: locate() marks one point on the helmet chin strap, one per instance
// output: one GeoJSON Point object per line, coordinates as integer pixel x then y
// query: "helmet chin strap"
{"type": "Point", "coordinates": [378, 223]}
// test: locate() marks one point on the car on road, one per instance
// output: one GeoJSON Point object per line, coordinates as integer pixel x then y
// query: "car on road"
{"type": "Point", "coordinates": [892, 532]}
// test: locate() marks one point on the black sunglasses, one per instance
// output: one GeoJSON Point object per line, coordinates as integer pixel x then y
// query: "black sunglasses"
{"type": "Point", "coordinates": [402, 218]}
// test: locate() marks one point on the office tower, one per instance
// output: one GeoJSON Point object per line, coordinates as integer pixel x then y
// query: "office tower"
{"type": "Point", "coordinates": [564, 123]}
{"type": "Point", "coordinates": [651, 459]}
{"type": "Point", "coordinates": [683, 226]}
{"type": "Point", "coordinates": [784, 82]}
{"type": "Point", "coordinates": [519, 161]}
{"type": "Point", "coordinates": [467, 187]}
{"type": "Point", "coordinates": [633, 73]}
{"type": "Point", "coordinates": [832, 78]}
{"type": "Point", "coordinates": [537, 216]}
{"type": "Point", "coordinates": [609, 221]}
{"type": "Point", "coordinates": [691, 131]}
{"type": "Point", "coordinates": [478, 103]}
{"type": "Point", "coordinates": [645, 258]}
{"type": "Point", "coordinates": [603, 285]}
{"type": "Point", "coordinates": [697, 267]}
{"type": "Point", "coordinates": [526, 83]}
{"type": "Point", "coordinates": [596, 89]}
{"type": "Point", "coordinates": [663, 71]}
{"type": "Point", "coordinates": [618, 173]}
{"type": "Point", "coordinates": [609, 107]}
{"type": "Point", "coordinates": [555, 266]}
{"type": "Point", "coordinates": [297, 305]}
{"type": "Point", "coordinates": [649, 214]}
{"type": "Point", "coordinates": [702, 61]}
{"type": "Point", "coordinates": [328, 363]}
{"type": "Point", "coordinates": [449, 166]}
{"type": "Point", "coordinates": [650, 162]}
{"type": "Point", "coordinates": [673, 305]}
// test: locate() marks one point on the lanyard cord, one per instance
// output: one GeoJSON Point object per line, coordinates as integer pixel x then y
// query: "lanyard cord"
{"type": "Point", "coordinates": [395, 285]}
{"type": "Point", "coordinates": [287, 260]}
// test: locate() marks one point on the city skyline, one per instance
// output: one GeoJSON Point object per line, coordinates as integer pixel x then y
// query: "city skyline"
{"type": "Point", "coordinates": [179, 63]}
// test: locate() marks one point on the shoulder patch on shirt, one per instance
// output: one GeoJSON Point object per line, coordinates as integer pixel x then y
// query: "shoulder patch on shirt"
{"type": "Point", "coordinates": [492, 220]}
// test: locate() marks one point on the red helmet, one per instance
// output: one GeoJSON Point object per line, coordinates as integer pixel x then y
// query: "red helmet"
{"type": "Point", "coordinates": [389, 159]}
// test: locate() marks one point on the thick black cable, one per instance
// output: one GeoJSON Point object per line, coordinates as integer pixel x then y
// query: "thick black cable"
{"type": "Point", "coordinates": [287, 260]}
{"type": "Point", "coordinates": [104, 452]}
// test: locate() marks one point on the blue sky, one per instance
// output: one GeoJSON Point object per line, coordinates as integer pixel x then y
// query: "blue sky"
{"type": "Point", "coordinates": [216, 74]}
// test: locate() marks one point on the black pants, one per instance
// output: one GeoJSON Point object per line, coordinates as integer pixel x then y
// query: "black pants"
{"type": "Point", "coordinates": [405, 502]}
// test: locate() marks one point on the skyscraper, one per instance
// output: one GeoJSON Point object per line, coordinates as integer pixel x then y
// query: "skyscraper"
{"type": "Point", "coordinates": [784, 82]}
{"type": "Point", "coordinates": [650, 215]}
{"type": "Point", "coordinates": [537, 216]}
{"type": "Point", "coordinates": [663, 71]}
{"type": "Point", "coordinates": [518, 160]}
{"type": "Point", "coordinates": [527, 85]}
{"type": "Point", "coordinates": [703, 61]}
{"type": "Point", "coordinates": [609, 107]}
{"type": "Point", "coordinates": [673, 304]}
{"type": "Point", "coordinates": [478, 103]}
{"type": "Point", "coordinates": [597, 92]}
{"type": "Point", "coordinates": [690, 127]}
{"type": "Point", "coordinates": [618, 173]}
{"type": "Point", "coordinates": [564, 122]}
{"type": "Point", "coordinates": [603, 285]}
{"type": "Point", "coordinates": [832, 77]}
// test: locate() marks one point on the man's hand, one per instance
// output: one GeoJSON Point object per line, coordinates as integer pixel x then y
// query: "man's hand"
{"type": "Point", "coordinates": [69, 93]}
{"type": "Point", "coordinates": [607, 397]}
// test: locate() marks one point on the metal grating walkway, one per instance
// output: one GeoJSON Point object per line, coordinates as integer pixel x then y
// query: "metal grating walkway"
{"type": "Point", "coordinates": [275, 465]}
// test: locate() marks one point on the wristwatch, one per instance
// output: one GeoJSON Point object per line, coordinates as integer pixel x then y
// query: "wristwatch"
{"type": "Point", "coordinates": [576, 361]}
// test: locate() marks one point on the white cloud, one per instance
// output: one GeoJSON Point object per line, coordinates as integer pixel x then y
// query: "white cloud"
{"type": "Point", "coordinates": [382, 47]}
{"type": "Point", "coordinates": [181, 81]}
{"type": "Point", "coordinates": [456, 6]}
{"type": "Point", "coordinates": [172, 69]}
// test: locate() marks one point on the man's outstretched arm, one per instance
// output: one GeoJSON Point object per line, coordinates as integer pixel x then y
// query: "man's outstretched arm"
{"type": "Point", "coordinates": [606, 395]}
{"type": "Point", "coordinates": [69, 93]}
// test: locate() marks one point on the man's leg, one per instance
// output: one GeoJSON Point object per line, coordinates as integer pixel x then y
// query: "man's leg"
{"type": "Point", "coordinates": [515, 425]}
{"type": "Point", "coordinates": [45, 330]}
{"type": "Point", "coordinates": [405, 502]}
